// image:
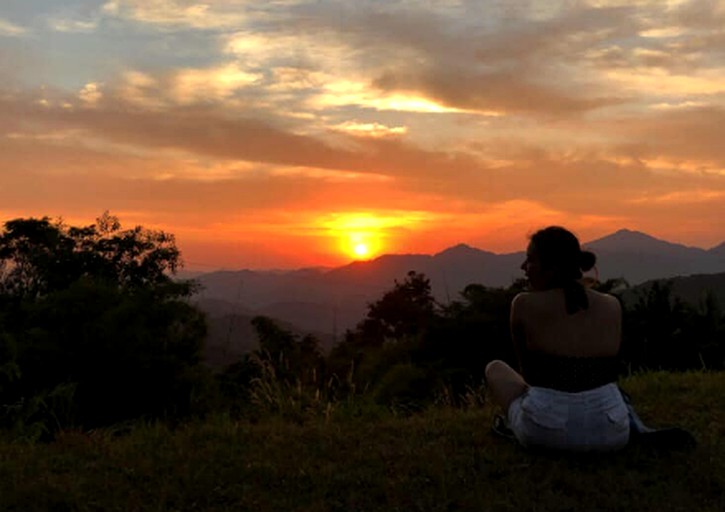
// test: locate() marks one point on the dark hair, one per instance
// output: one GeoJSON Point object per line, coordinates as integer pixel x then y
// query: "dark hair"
{"type": "Point", "coordinates": [558, 251]}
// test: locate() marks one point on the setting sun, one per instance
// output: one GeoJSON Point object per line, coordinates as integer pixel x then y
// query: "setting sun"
{"type": "Point", "coordinates": [361, 250]}
{"type": "Point", "coordinates": [366, 235]}
{"type": "Point", "coordinates": [361, 245]}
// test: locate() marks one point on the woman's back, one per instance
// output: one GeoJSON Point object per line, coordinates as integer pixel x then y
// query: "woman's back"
{"type": "Point", "coordinates": [541, 324]}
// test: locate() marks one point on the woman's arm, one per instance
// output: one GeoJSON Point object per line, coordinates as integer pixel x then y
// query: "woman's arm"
{"type": "Point", "coordinates": [517, 326]}
{"type": "Point", "coordinates": [617, 323]}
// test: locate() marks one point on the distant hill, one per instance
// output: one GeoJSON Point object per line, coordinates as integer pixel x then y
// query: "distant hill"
{"type": "Point", "coordinates": [639, 257]}
{"type": "Point", "coordinates": [718, 251]}
{"type": "Point", "coordinates": [328, 301]}
{"type": "Point", "coordinates": [691, 289]}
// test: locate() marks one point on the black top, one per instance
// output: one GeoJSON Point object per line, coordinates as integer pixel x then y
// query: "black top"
{"type": "Point", "coordinates": [566, 373]}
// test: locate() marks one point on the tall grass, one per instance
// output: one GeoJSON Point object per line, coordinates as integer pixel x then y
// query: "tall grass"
{"type": "Point", "coordinates": [274, 396]}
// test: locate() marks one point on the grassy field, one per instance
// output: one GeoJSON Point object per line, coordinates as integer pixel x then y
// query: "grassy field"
{"type": "Point", "coordinates": [440, 460]}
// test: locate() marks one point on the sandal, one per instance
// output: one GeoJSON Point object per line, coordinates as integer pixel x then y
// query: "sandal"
{"type": "Point", "coordinates": [500, 427]}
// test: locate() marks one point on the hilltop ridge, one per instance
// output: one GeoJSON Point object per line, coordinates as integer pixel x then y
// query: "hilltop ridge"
{"type": "Point", "coordinates": [629, 240]}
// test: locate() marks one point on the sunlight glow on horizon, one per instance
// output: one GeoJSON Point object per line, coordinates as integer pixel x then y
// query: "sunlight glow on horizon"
{"type": "Point", "coordinates": [364, 235]}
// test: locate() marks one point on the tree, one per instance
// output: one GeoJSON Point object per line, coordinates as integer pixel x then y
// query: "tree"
{"type": "Point", "coordinates": [293, 359]}
{"type": "Point", "coordinates": [38, 256]}
{"type": "Point", "coordinates": [470, 332]}
{"type": "Point", "coordinates": [706, 331]}
{"type": "Point", "coordinates": [404, 311]}
{"type": "Point", "coordinates": [654, 331]}
{"type": "Point", "coordinates": [390, 335]}
{"type": "Point", "coordinates": [96, 310]}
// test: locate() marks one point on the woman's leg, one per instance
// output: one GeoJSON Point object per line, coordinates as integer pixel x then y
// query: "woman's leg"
{"type": "Point", "coordinates": [505, 383]}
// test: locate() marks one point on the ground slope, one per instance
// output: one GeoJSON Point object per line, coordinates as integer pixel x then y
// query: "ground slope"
{"type": "Point", "coordinates": [441, 460]}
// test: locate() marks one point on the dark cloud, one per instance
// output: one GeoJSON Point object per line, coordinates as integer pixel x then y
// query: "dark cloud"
{"type": "Point", "coordinates": [497, 92]}
{"type": "Point", "coordinates": [516, 65]}
{"type": "Point", "coordinates": [212, 133]}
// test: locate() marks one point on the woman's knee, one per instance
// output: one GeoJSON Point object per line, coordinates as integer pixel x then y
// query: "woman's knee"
{"type": "Point", "coordinates": [494, 368]}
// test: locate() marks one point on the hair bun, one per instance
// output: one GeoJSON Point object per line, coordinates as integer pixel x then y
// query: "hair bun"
{"type": "Point", "coordinates": [587, 260]}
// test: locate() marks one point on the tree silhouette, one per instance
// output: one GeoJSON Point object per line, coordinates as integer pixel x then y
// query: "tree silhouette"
{"type": "Point", "coordinates": [95, 310]}
{"type": "Point", "coordinates": [293, 358]}
{"type": "Point", "coordinates": [38, 256]}
{"type": "Point", "coordinates": [404, 311]}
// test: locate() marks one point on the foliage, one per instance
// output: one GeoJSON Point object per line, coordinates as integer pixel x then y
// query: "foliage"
{"type": "Point", "coordinates": [410, 350]}
{"type": "Point", "coordinates": [291, 357]}
{"type": "Point", "coordinates": [38, 256]}
{"type": "Point", "coordinates": [405, 311]}
{"type": "Point", "coordinates": [473, 330]}
{"type": "Point", "coordinates": [663, 332]}
{"type": "Point", "coordinates": [94, 309]}
{"type": "Point", "coordinates": [284, 376]}
{"type": "Point", "coordinates": [391, 334]}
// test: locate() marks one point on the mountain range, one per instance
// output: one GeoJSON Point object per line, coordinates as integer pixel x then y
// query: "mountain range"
{"type": "Point", "coordinates": [325, 302]}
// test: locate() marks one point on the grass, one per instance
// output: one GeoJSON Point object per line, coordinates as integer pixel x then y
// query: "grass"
{"type": "Point", "coordinates": [443, 459]}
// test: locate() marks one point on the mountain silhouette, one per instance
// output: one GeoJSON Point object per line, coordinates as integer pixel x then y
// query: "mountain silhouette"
{"type": "Point", "coordinates": [639, 257]}
{"type": "Point", "coordinates": [718, 250]}
{"type": "Point", "coordinates": [626, 240]}
{"type": "Point", "coordinates": [328, 301]}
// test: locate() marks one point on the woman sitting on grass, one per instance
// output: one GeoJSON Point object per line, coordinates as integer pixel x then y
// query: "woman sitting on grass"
{"type": "Point", "coordinates": [567, 338]}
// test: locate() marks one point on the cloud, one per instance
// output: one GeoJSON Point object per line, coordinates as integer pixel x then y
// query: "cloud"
{"type": "Point", "coordinates": [74, 25]}
{"type": "Point", "coordinates": [649, 82]}
{"type": "Point", "coordinates": [370, 129]}
{"type": "Point", "coordinates": [501, 169]}
{"type": "Point", "coordinates": [516, 62]}
{"type": "Point", "coordinates": [450, 58]}
{"type": "Point", "coordinates": [211, 14]}
{"type": "Point", "coordinates": [141, 90]}
{"type": "Point", "coordinates": [10, 29]}
{"type": "Point", "coordinates": [338, 93]}
{"type": "Point", "coordinates": [213, 84]}
{"type": "Point", "coordinates": [209, 131]}
{"type": "Point", "coordinates": [677, 135]}
{"type": "Point", "coordinates": [682, 197]}
{"type": "Point", "coordinates": [466, 65]}
{"type": "Point", "coordinates": [185, 86]}
{"type": "Point", "coordinates": [91, 93]}
{"type": "Point", "coordinates": [491, 93]}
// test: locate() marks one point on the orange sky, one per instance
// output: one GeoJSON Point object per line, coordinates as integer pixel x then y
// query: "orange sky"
{"type": "Point", "coordinates": [289, 133]}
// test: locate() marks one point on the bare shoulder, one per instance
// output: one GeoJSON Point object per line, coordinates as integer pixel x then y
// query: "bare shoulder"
{"type": "Point", "coordinates": [604, 301]}
{"type": "Point", "coordinates": [520, 304]}
{"type": "Point", "coordinates": [521, 299]}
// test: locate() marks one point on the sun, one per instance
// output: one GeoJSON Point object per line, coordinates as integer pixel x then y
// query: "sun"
{"type": "Point", "coordinates": [360, 245]}
{"type": "Point", "coordinates": [359, 236]}
{"type": "Point", "coordinates": [361, 250]}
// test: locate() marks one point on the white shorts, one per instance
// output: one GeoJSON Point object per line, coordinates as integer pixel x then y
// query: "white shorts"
{"type": "Point", "coordinates": [592, 420]}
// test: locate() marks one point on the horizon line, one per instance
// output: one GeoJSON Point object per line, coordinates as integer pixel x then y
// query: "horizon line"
{"type": "Point", "coordinates": [216, 268]}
